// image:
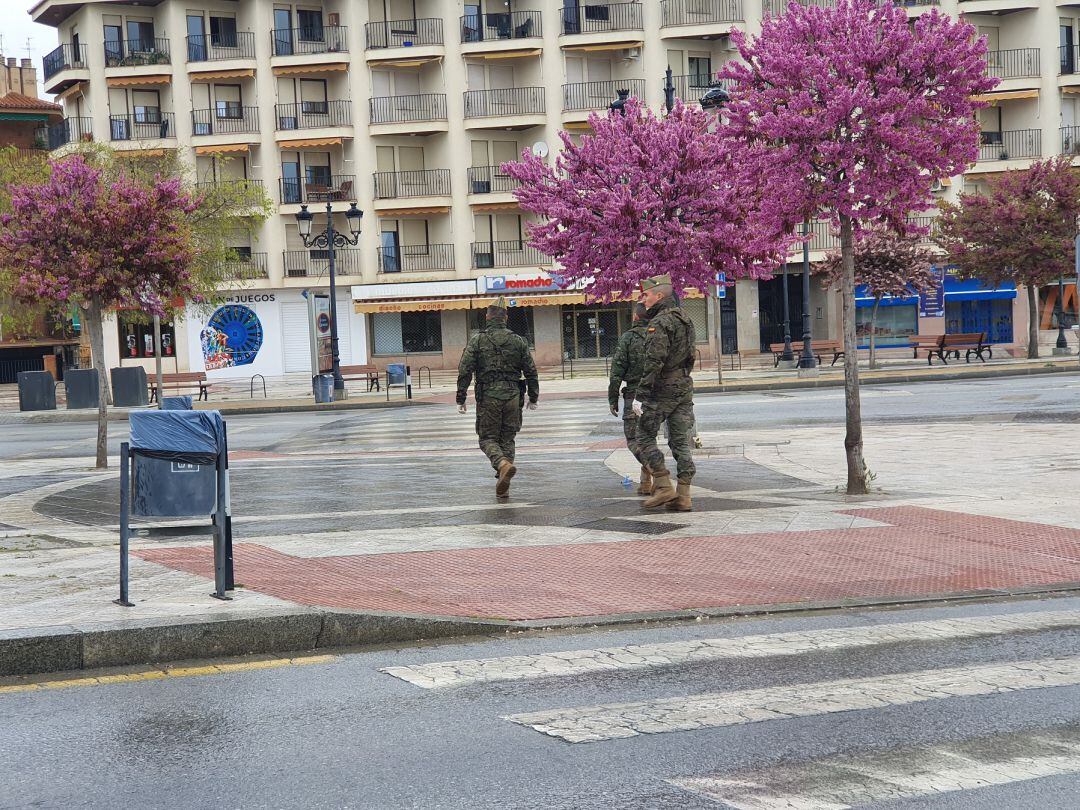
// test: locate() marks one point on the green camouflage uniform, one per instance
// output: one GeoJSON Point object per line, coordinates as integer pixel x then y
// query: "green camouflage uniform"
{"type": "Point", "coordinates": [666, 390]}
{"type": "Point", "coordinates": [626, 366]}
{"type": "Point", "coordinates": [504, 370]}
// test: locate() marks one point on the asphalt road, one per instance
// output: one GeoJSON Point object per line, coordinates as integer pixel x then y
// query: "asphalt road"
{"type": "Point", "coordinates": [954, 718]}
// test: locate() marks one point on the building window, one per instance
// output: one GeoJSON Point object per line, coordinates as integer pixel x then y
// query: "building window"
{"type": "Point", "coordinates": [137, 337]}
{"type": "Point", "coordinates": [406, 332]}
{"type": "Point", "coordinates": [223, 32]}
{"type": "Point", "coordinates": [894, 326]}
{"type": "Point", "coordinates": [518, 319]}
{"type": "Point", "coordinates": [697, 311]}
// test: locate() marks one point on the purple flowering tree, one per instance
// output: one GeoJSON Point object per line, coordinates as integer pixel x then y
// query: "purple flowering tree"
{"type": "Point", "coordinates": [864, 111]}
{"type": "Point", "coordinates": [643, 195]}
{"type": "Point", "coordinates": [102, 243]}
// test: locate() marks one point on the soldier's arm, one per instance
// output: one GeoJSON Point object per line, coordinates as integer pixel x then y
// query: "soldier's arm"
{"type": "Point", "coordinates": [465, 371]}
{"type": "Point", "coordinates": [657, 347]}
{"type": "Point", "coordinates": [528, 369]}
{"type": "Point", "coordinates": [619, 363]}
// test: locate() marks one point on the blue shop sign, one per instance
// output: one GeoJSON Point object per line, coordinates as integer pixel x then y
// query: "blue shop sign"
{"type": "Point", "coordinates": [954, 290]}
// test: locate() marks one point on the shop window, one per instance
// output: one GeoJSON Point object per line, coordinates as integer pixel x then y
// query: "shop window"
{"type": "Point", "coordinates": [137, 337]}
{"type": "Point", "coordinates": [697, 310]}
{"type": "Point", "coordinates": [519, 320]}
{"type": "Point", "coordinates": [406, 332]}
{"type": "Point", "coordinates": [894, 326]}
{"type": "Point", "coordinates": [993, 317]}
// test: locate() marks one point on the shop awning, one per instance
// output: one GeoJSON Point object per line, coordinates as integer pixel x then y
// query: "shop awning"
{"type": "Point", "coordinates": [137, 81]}
{"type": "Point", "coordinates": [536, 300]}
{"type": "Point", "coordinates": [413, 305]}
{"type": "Point", "coordinates": [493, 55]}
{"type": "Point", "coordinates": [301, 144]}
{"type": "Point", "coordinates": [223, 149]}
{"type": "Point", "coordinates": [606, 46]}
{"type": "Point", "coordinates": [994, 98]}
{"type": "Point", "coordinates": [214, 75]}
{"type": "Point", "coordinates": [297, 70]}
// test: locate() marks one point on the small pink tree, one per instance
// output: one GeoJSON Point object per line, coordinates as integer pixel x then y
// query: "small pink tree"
{"type": "Point", "coordinates": [643, 195]}
{"type": "Point", "coordinates": [889, 265]}
{"type": "Point", "coordinates": [101, 243]}
{"type": "Point", "coordinates": [864, 112]}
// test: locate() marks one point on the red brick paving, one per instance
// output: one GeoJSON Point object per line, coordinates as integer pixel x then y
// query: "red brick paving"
{"type": "Point", "coordinates": [920, 551]}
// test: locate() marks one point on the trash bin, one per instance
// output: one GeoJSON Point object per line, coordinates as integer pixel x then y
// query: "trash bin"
{"type": "Point", "coordinates": [82, 386]}
{"type": "Point", "coordinates": [129, 387]}
{"type": "Point", "coordinates": [324, 387]}
{"type": "Point", "coordinates": [172, 483]}
{"type": "Point", "coordinates": [37, 391]}
{"type": "Point", "coordinates": [176, 404]}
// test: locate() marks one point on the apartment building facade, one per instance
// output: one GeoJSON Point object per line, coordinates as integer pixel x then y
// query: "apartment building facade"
{"type": "Point", "coordinates": [409, 107]}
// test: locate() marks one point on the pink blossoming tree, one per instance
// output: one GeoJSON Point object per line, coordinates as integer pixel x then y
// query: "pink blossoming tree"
{"type": "Point", "coordinates": [864, 111]}
{"type": "Point", "coordinates": [102, 243]}
{"type": "Point", "coordinates": [643, 195]}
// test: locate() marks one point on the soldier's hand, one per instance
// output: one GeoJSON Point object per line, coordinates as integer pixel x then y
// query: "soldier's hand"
{"type": "Point", "coordinates": [530, 406]}
{"type": "Point", "coordinates": [462, 408]}
{"type": "Point", "coordinates": [636, 406]}
{"type": "Point", "coordinates": [615, 410]}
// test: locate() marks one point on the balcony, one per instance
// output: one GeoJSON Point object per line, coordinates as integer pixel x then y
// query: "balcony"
{"type": "Point", "coordinates": [69, 60]}
{"type": "Point", "coordinates": [404, 33]}
{"type": "Point", "coordinates": [707, 19]}
{"type": "Point", "coordinates": [410, 115]}
{"type": "Point", "coordinates": [137, 52]}
{"type": "Point", "coordinates": [244, 266]}
{"type": "Point", "coordinates": [500, 27]}
{"type": "Point", "coordinates": [322, 39]}
{"type": "Point", "coordinates": [1011, 144]}
{"type": "Point", "coordinates": [490, 180]}
{"type": "Point", "coordinates": [506, 107]}
{"type": "Point", "coordinates": [318, 189]}
{"type": "Point", "coordinates": [1018, 63]}
{"type": "Point", "coordinates": [202, 48]}
{"type": "Point", "coordinates": [416, 258]}
{"type": "Point", "coordinates": [1070, 141]}
{"type": "Point", "coordinates": [70, 130]}
{"type": "Point", "coordinates": [313, 115]}
{"type": "Point", "coordinates": [150, 125]}
{"type": "Point", "coordinates": [512, 253]}
{"type": "Point", "coordinates": [418, 183]}
{"type": "Point", "coordinates": [774, 8]}
{"type": "Point", "coordinates": [225, 119]}
{"type": "Point", "coordinates": [601, 18]}
{"type": "Point", "coordinates": [316, 263]}
{"type": "Point", "coordinates": [590, 96]}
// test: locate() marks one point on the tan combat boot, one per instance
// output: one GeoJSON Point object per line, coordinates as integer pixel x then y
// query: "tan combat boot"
{"type": "Point", "coordinates": [682, 499]}
{"type": "Point", "coordinates": [506, 472]}
{"type": "Point", "coordinates": [645, 483]}
{"type": "Point", "coordinates": [662, 491]}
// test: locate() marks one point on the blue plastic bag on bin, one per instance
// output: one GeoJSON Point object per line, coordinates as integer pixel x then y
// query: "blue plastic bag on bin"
{"type": "Point", "coordinates": [193, 437]}
{"type": "Point", "coordinates": [176, 404]}
{"type": "Point", "coordinates": [395, 374]}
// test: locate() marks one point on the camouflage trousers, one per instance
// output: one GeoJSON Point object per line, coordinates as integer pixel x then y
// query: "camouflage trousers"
{"type": "Point", "coordinates": [679, 415]}
{"type": "Point", "coordinates": [497, 424]}
{"type": "Point", "coordinates": [630, 427]}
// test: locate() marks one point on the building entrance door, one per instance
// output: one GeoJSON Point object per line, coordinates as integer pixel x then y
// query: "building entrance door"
{"type": "Point", "coordinates": [589, 334]}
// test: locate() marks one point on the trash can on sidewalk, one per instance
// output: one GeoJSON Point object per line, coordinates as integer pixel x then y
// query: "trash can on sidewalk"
{"type": "Point", "coordinates": [176, 404]}
{"type": "Point", "coordinates": [37, 391]}
{"type": "Point", "coordinates": [129, 387]}
{"type": "Point", "coordinates": [82, 386]}
{"type": "Point", "coordinates": [324, 387]}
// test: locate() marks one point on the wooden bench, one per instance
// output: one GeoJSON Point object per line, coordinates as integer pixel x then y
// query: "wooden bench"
{"type": "Point", "coordinates": [817, 347]}
{"type": "Point", "coordinates": [368, 374]}
{"type": "Point", "coordinates": [972, 343]}
{"type": "Point", "coordinates": [194, 381]}
{"type": "Point", "coordinates": [924, 343]}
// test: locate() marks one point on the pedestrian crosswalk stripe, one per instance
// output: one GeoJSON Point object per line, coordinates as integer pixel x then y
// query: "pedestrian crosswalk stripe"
{"type": "Point", "coordinates": [645, 656]}
{"type": "Point", "coordinates": [719, 709]}
{"type": "Point", "coordinates": [858, 780]}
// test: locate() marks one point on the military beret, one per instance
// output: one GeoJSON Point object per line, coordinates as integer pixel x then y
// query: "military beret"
{"type": "Point", "coordinates": [656, 281]}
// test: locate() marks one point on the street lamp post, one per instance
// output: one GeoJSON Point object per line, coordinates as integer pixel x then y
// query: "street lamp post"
{"type": "Point", "coordinates": [619, 104]}
{"type": "Point", "coordinates": [1062, 343]}
{"type": "Point", "coordinates": [669, 90]}
{"type": "Point", "coordinates": [806, 359]}
{"type": "Point", "coordinates": [330, 240]}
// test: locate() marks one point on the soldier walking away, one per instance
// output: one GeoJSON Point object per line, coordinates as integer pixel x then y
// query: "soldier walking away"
{"type": "Point", "coordinates": [626, 368]}
{"type": "Point", "coordinates": [505, 374]}
{"type": "Point", "coordinates": [665, 393]}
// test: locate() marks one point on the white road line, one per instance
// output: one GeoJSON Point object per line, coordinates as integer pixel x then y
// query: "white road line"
{"type": "Point", "coordinates": [645, 656]}
{"type": "Point", "coordinates": [839, 782]}
{"type": "Point", "coordinates": [719, 709]}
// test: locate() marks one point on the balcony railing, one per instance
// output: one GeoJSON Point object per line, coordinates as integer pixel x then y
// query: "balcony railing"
{"type": "Point", "coordinates": [316, 263]}
{"type": "Point", "coordinates": [1070, 58]}
{"type": "Point", "coordinates": [500, 25]}
{"type": "Point", "coordinates": [312, 114]}
{"type": "Point", "coordinates": [238, 45]}
{"type": "Point", "coordinates": [225, 119]}
{"type": "Point", "coordinates": [245, 267]}
{"type": "Point", "coordinates": [489, 180]}
{"type": "Point", "coordinates": [70, 130]}
{"type": "Point", "coordinates": [149, 125]}
{"type": "Point", "coordinates": [579, 19]}
{"type": "Point", "coordinates": [1010, 144]}
{"type": "Point", "coordinates": [313, 39]}
{"type": "Point", "coordinates": [698, 12]}
{"type": "Point", "coordinates": [1070, 140]}
{"type": "Point", "coordinates": [1013, 64]}
{"type": "Point", "coordinates": [512, 253]}
{"type": "Point", "coordinates": [418, 183]}
{"type": "Point", "coordinates": [415, 258]}
{"type": "Point", "coordinates": [598, 95]}
{"type": "Point", "coordinates": [318, 188]}
{"type": "Point", "coordinates": [402, 109]}
{"type": "Point", "coordinates": [404, 33]}
{"type": "Point", "coordinates": [774, 8]}
{"type": "Point", "coordinates": [66, 57]}
{"type": "Point", "coordinates": [134, 52]}
{"type": "Point", "coordinates": [505, 101]}
{"type": "Point", "coordinates": [244, 188]}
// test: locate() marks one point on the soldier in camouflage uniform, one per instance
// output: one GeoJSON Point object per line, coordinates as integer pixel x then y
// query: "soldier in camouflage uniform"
{"type": "Point", "coordinates": [626, 368]}
{"type": "Point", "coordinates": [665, 393]}
{"type": "Point", "coordinates": [505, 372]}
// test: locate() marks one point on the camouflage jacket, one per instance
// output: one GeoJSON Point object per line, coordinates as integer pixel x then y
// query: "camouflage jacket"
{"type": "Point", "coordinates": [669, 353]}
{"type": "Point", "coordinates": [501, 362]}
{"type": "Point", "coordinates": [627, 362]}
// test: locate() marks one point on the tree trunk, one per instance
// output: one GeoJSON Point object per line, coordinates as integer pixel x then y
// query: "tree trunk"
{"type": "Point", "coordinates": [97, 353]}
{"type": "Point", "coordinates": [1033, 321]}
{"type": "Point", "coordinates": [857, 474]}
{"type": "Point", "coordinates": [873, 332]}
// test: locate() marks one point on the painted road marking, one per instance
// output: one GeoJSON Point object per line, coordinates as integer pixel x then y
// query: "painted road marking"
{"type": "Point", "coordinates": [719, 709]}
{"type": "Point", "coordinates": [646, 656]}
{"type": "Point", "coordinates": [838, 782]}
{"type": "Point", "coordinates": [163, 673]}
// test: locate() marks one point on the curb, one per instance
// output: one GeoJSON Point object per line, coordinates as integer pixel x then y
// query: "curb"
{"type": "Point", "coordinates": [34, 651]}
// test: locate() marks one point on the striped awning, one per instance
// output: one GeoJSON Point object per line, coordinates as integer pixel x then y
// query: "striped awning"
{"type": "Point", "coordinates": [214, 75]}
{"type": "Point", "coordinates": [412, 305]}
{"type": "Point", "coordinates": [479, 208]}
{"type": "Point", "coordinates": [306, 142]}
{"type": "Point", "coordinates": [404, 212]}
{"type": "Point", "coordinates": [137, 81]}
{"type": "Point", "coordinates": [223, 149]}
{"type": "Point", "coordinates": [493, 55]}
{"type": "Point", "coordinates": [535, 300]}
{"type": "Point", "coordinates": [404, 63]}
{"type": "Point", "coordinates": [297, 70]}
{"type": "Point", "coordinates": [605, 46]}
{"type": "Point", "coordinates": [74, 90]}
{"type": "Point", "coordinates": [577, 126]}
{"type": "Point", "coordinates": [1071, 90]}
{"type": "Point", "coordinates": [994, 98]}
